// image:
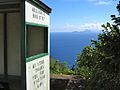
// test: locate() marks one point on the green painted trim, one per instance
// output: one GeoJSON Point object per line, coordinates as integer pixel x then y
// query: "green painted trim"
{"type": "Point", "coordinates": [36, 2]}
{"type": "Point", "coordinates": [35, 24]}
{"type": "Point", "coordinates": [43, 6]}
{"type": "Point", "coordinates": [35, 57]}
{"type": "Point", "coordinates": [26, 43]}
{"type": "Point", "coordinates": [23, 55]}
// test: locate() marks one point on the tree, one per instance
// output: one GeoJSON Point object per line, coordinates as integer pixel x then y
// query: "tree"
{"type": "Point", "coordinates": [102, 59]}
{"type": "Point", "coordinates": [86, 61]}
{"type": "Point", "coordinates": [107, 71]}
{"type": "Point", "coordinates": [57, 67]}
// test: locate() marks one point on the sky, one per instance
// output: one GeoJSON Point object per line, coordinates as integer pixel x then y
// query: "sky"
{"type": "Point", "coordinates": [80, 15]}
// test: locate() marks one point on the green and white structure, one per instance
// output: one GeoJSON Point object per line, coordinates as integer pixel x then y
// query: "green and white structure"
{"type": "Point", "coordinates": [24, 45]}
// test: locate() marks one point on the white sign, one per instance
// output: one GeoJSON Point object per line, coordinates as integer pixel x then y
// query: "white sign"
{"type": "Point", "coordinates": [38, 74]}
{"type": "Point", "coordinates": [35, 15]}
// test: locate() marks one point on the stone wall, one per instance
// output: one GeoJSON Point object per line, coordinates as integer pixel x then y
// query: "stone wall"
{"type": "Point", "coordinates": [67, 83]}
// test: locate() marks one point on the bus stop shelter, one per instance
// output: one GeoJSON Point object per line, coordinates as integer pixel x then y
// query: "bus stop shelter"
{"type": "Point", "coordinates": [24, 45]}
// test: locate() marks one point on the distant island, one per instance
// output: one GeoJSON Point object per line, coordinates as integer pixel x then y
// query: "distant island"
{"type": "Point", "coordinates": [88, 31]}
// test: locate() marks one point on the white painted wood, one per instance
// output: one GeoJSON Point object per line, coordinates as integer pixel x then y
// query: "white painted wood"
{"type": "Point", "coordinates": [13, 36]}
{"type": "Point", "coordinates": [1, 44]}
{"type": "Point", "coordinates": [35, 15]}
{"type": "Point", "coordinates": [38, 74]}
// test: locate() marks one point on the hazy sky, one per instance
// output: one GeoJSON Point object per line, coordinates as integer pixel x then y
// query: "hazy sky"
{"type": "Point", "coordinates": [80, 15]}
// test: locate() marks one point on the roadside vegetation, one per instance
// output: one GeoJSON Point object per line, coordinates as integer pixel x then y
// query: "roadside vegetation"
{"type": "Point", "coordinates": [57, 67]}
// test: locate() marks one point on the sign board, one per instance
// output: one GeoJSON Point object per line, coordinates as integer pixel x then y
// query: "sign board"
{"type": "Point", "coordinates": [38, 74]}
{"type": "Point", "coordinates": [37, 70]}
{"type": "Point", "coordinates": [35, 15]}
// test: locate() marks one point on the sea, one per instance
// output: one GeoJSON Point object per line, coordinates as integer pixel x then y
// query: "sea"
{"type": "Point", "coordinates": [65, 46]}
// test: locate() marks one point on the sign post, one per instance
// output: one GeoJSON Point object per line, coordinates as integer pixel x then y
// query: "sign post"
{"type": "Point", "coordinates": [24, 45]}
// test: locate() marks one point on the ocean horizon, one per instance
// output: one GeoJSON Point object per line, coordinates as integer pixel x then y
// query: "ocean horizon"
{"type": "Point", "coordinates": [65, 46]}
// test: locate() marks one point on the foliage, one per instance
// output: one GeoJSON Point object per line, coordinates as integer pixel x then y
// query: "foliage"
{"type": "Point", "coordinates": [86, 62]}
{"type": "Point", "coordinates": [54, 66]}
{"type": "Point", "coordinates": [57, 67]}
{"type": "Point", "coordinates": [100, 63]}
